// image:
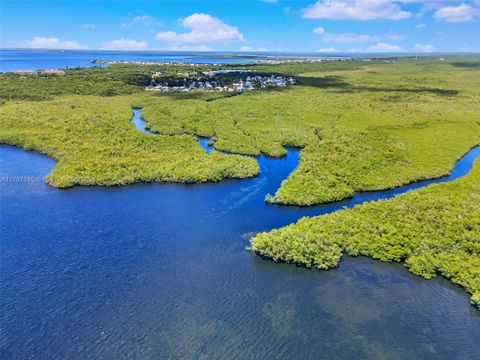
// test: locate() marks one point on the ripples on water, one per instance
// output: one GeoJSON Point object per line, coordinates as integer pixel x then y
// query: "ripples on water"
{"type": "Point", "coordinates": [12, 60]}
{"type": "Point", "coordinates": [161, 271]}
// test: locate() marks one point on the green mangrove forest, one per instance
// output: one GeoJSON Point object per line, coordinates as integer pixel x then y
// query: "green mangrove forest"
{"type": "Point", "coordinates": [362, 126]}
{"type": "Point", "coordinates": [435, 230]}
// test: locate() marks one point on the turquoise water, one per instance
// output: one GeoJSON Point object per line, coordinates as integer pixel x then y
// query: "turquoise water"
{"type": "Point", "coordinates": [159, 271]}
{"type": "Point", "coordinates": [11, 60]}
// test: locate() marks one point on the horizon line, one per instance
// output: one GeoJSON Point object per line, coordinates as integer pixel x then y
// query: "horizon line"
{"type": "Point", "coordinates": [319, 53]}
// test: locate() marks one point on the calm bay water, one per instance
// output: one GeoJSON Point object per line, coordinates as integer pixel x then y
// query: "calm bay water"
{"type": "Point", "coordinates": [154, 271]}
{"type": "Point", "coordinates": [11, 60]}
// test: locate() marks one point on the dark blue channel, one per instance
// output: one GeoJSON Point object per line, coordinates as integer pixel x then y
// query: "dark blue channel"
{"type": "Point", "coordinates": [160, 271]}
{"type": "Point", "coordinates": [269, 165]}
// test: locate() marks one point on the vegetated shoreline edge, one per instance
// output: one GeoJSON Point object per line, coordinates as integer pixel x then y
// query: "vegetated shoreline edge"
{"type": "Point", "coordinates": [213, 181]}
{"type": "Point", "coordinates": [475, 302]}
{"type": "Point", "coordinates": [401, 184]}
{"type": "Point", "coordinates": [387, 188]}
{"type": "Point", "coordinates": [344, 251]}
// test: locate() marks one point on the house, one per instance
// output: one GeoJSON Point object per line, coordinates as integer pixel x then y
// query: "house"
{"type": "Point", "coordinates": [53, 72]}
{"type": "Point", "coordinates": [238, 87]}
{"type": "Point", "coordinates": [26, 72]}
{"type": "Point", "coordinates": [247, 83]}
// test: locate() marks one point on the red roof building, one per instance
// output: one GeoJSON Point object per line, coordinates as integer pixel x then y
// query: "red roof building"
{"type": "Point", "coordinates": [25, 72]}
{"type": "Point", "coordinates": [53, 72]}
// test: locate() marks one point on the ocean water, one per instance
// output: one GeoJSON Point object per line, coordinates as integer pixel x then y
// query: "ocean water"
{"type": "Point", "coordinates": [160, 271]}
{"type": "Point", "coordinates": [11, 60]}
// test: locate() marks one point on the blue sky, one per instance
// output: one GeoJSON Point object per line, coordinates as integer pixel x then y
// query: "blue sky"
{"type": "Point", "coordinates": [248, 25]}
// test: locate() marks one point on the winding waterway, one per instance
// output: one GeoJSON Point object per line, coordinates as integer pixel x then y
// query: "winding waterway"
{"type": "Point", "coordinates": [462, 168]}
{"type": "Point", "coordinates": [160, 271]}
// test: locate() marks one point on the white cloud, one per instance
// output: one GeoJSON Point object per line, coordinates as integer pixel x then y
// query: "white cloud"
{"type": "Point", "coordinates": [124, 44]}
{"type": "Point", "coordinates": [342, 38]}
{"type": "Point", "coordinates": [270, 1]}
{"type": "Point", "coordinates": [424, 48]}
{"type": "Point", "coordinates": [88, 26]}
{"type": "Point", "coordinates": [383, 47]}
{"type": "Point", "coordinates": [355, 9]}
{"type": "Point", "coordinates": [191, 48]}
{"type": "Point", "coordinates": [431, 4]}
{"type": "Point", "coordinates": [40, 42]}
{"type": "Point", "coordinates": [456, 14]}
{"type": "Point", "coordinates": [395, 36]}
{"type": "Point", "coordinates": [348, 38]}
{"type": "Point", "coordinates": [421, 26]}
{"type": "Point", "coordinates": [428, 5]}
{"type": "Point", "coordinates": [249, 48]}
{"type": "Point", "coordinates": [319, 31]}
{"type": "Point", "coordinates": [145, 20]}
{"type": "Point", "coordinates": [204, 28]}
{"type": "Point", "coordinates": [327, 50]}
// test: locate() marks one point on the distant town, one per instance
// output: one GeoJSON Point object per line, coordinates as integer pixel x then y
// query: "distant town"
{"type": "Point", "coordinates": [227, 80]}
{"type": "Point", "coordinates": [54, 72]}
{"type": "Point", "coordinates": [237, 81]}
{"type": "Point", "coordinates": [268, 60]}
